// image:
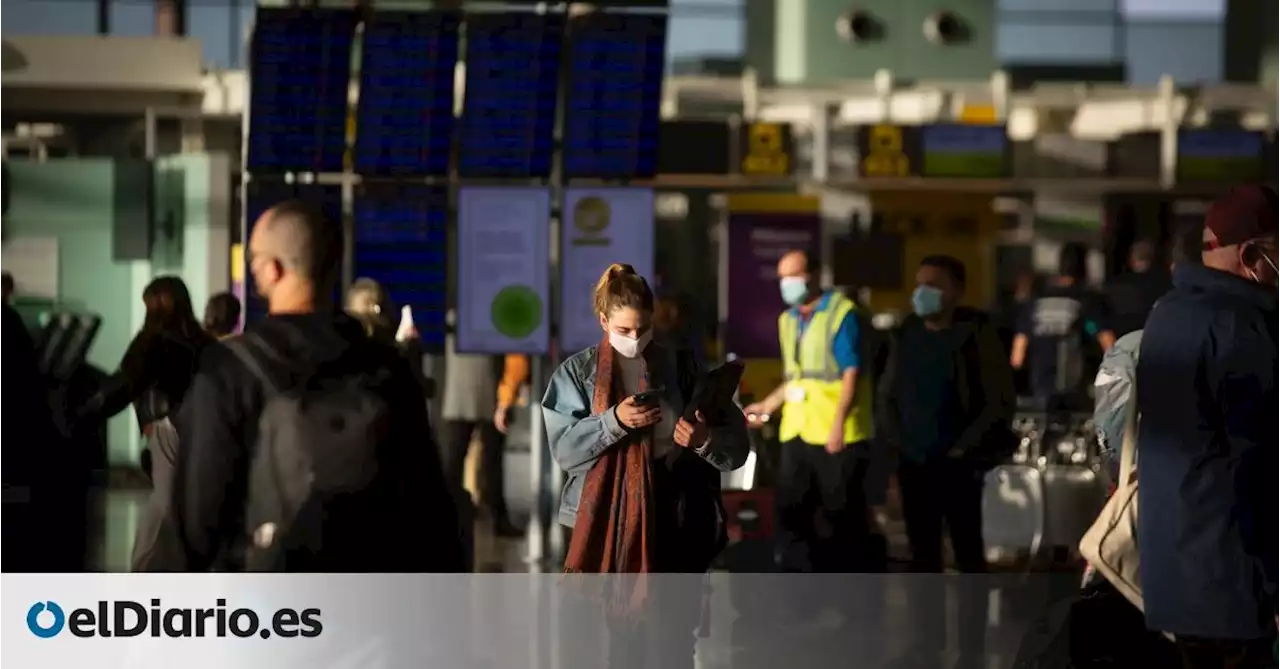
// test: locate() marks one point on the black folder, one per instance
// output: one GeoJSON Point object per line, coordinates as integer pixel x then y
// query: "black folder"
{"type": "Point", "coordinates": [714, 392]}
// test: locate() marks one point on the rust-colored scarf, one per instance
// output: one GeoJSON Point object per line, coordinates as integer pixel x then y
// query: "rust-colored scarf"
{"type": "Point", "coordinates": [615, 525]}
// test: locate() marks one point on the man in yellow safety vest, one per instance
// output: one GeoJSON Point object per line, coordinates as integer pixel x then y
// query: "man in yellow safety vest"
{"type": "Point", "coordinates": [826, 424]}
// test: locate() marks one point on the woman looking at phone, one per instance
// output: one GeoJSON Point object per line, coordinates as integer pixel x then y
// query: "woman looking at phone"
{"type": "Point", "coordinates": [642, 488]}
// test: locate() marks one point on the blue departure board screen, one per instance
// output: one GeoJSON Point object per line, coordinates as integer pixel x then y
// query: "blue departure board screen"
{"type": "Point", "coordinates": [299, 74]}
{"type": "Point", "coordinates": [401, 242]}
{"type": "Point", "coordinates": [616, 66]}
{"type": "Point", "coordinates": [262, 196]}
{"type": "Point", "coordinates": [509, 114]}
{"type": "Point", "coordinates": [404, 123]}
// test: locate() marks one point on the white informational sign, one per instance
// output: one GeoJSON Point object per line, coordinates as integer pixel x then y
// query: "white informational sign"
{"type": "Point", "coordinates": [504, 240]}
{"type": "Point", "coordinates": [602, 226]}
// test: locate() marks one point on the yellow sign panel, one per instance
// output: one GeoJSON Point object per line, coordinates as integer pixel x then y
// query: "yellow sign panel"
{"type": "Point", "coordinates": [767, 154]}
{"type": "Point", "coordinates": [979, 115]}
{"type": "Point", "coordinates": [237, 262]}
{"type": "Point", "coordinates": [772, 203]}
{"type": "Point", "coordinates": [884, 154]}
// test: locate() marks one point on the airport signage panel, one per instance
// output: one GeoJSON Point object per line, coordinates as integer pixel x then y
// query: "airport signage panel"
{"type": "Point", "coordinates": [504, 274]}
{"type": "Point", "coordinates": [602, 226]}
{"type": "Point", "coordinates": [694, 147]}
{"type": "Point", "coordinates": [768, 150]}
{"type": "Point", "coordinates": [887, 151]}
{"type": "Point", "coordinates": [1221, 155]}
{"type": "Point", "coordinates": [964, 151]}
{"type": "Point", "coordinates": [299, 71]}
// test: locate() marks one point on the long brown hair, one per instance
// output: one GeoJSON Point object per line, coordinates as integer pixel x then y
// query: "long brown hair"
{"type": "Point", "coordinates": [620, 288]}
{"type": "Point", "coordinates": [169, 309]}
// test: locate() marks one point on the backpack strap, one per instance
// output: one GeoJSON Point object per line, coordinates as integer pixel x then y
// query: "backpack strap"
{"type": "Point", "coordinates": [243, 348]}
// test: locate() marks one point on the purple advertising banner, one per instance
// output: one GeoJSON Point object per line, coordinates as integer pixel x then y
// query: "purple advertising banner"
{"type": "Point", "coordinates": [757, 240]}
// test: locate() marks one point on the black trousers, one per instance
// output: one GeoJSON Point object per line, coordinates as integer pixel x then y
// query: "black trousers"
{"type": "Point", "coordinates": [941, 492]}
{"type": "Point", "coordinates": [457, 441]}
{"type": "Point", "coordinates": [822, 509]}
{"type": "Point", "coordinates": [1226, 653]}
{"type": "Point", "coordinates": [934, 493]}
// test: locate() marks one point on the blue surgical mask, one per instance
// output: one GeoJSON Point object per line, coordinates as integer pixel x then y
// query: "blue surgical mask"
{"type": "Point", "coordinates": [926, 301]}
{"type": "Point", "coordinates": [794, 290]}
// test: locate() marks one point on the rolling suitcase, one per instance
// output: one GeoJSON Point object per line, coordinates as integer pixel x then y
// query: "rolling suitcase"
{"type": "Point", "coordinates": [1074, 496]}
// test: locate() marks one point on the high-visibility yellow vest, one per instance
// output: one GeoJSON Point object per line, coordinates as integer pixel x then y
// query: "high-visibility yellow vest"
{"type": "Point", "coordinates": [813, 378]}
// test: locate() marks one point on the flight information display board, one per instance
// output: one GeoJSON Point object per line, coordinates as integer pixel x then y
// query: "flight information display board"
{"type": "Point", "coordinates": [299, 71]}
{"type": "Point", "coordinates": [964, 151]}
{"type": "Point", "coordinates": [1221, 155]}
{"type": "Point", "coordinates": [616, 67]}
{"type": "Point", "coordinates": [401, 241]}
{"type": "Point", "coordinates": [508, 116]}
{"type": "Point", "coordinates": [404, 121]}
{"type": "Point", "coordinates": [261, 196]}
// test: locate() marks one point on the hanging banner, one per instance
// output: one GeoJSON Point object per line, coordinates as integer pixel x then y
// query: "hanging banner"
{"type": "Point", "coordinates": [1229, 156]}
{"type": "Point", "coordinates": [503, 270]}
{"type": "Point", "coordinates": [602, 226]}
{"type": "Point", "coordinates": [762, 228]}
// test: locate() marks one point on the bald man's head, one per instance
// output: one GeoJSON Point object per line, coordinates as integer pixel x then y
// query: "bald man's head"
{"type": "Point", "coordinates": [796, 262]}
{"type": "Point", "coordinates": [797, 276]}
{"type": "Point", "coordinates": [295, 249]}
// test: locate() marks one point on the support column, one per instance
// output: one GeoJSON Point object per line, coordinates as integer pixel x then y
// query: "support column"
{"type": "Point", "coordinates": [104, 17]}
{"type": "Point", "coordinates": [171, 18]}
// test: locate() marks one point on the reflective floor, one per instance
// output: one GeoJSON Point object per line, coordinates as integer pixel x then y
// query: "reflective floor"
{"type": "Point", "coordinates": [123, 508]}
{"type": "Point", "coordinates": [887, 638]}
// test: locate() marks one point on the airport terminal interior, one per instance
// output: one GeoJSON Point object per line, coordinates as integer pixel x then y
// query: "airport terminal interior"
{"type": "Point", "coordinates": [489, 160]}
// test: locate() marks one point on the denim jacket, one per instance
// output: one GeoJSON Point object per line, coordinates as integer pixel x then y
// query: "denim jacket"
{"type": "Point", "coordinates": [577, 438]}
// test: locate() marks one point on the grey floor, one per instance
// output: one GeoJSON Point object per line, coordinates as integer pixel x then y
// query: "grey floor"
{"type": "Point", "coordinates": [124, 507]}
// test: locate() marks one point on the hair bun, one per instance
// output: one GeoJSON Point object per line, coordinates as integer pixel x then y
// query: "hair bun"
{"type": "Point", "coordinates": [619, 269]}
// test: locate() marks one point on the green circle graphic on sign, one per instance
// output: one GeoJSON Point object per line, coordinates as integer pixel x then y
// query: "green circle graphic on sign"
{"type": "Point", "coordinates": [516, 311]}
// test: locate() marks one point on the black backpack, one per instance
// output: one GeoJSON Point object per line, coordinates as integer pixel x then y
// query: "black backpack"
{"type": "Point", "coordinates": [317, 451]}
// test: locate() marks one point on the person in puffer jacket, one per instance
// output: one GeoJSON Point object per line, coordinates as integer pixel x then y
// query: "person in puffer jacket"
{"type": "Point", "coordinates": [1112, 393]}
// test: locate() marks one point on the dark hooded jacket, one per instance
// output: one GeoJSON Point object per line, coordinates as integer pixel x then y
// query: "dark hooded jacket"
{"type": "Point", "coordinates": [219, 427]}
{"type": "Point", "coordinates": [983, 387]}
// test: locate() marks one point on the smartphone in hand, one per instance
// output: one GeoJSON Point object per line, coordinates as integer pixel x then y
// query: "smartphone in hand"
{"type": "Point", "coordinates": [649, 397]}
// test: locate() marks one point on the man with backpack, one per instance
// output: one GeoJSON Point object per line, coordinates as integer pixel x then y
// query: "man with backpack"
{"type": "Point", "coordinates": [307, 446]}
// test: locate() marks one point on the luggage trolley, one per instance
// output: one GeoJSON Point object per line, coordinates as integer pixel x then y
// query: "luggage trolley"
{"type": "Point", "coordinates": [1043, 500]}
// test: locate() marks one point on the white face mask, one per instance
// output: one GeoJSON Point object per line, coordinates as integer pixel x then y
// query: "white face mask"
{"type": "Point", "coordinates": [628, 347]}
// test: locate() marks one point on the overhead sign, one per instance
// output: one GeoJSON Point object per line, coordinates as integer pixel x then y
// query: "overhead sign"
{"type": "Point", "coordinates": [602, 226]}
{"type": "Point", "coordinates": [509, 111]}
{"type": "Point", "coordinates": [964, 151]}
{"type": "Point", "coordinates": [299, 76]}
{"type": "Point", "coordinates": [768, 150]}
{"type": "Point", "coordinates": [1224, 155]}
{"type": "Point", "coordinates": [694, 147]}
{"type": "Point", "coordinates": [979, 115]}
{"type": "Point", "coordinates": [503, 270]}
{"type": "Point", "coordinates": [616, 67]}
{"type": "Point", "coordinates": [405, 115]}
{"type": "Point", "coordinates": [888, 151]}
